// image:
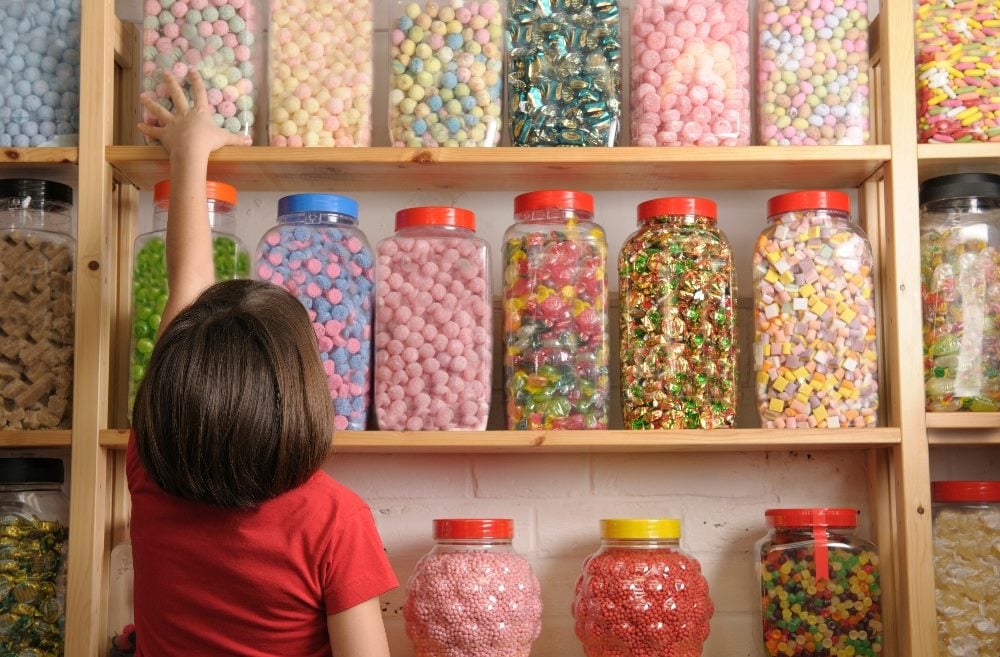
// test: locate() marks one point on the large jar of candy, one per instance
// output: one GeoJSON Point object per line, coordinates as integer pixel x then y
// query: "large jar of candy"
{"type": "Point", "coordinates": [814, 309]}
{"type": "Point", "coordinates": [40, 73]}
{"type": "Point", "coordinates": [564, 72]}
{"type": "Point", "coordinates": [967, 581]}
{"type": "Point", "coordinates": [37, 253]}
{"type": "Point", "coordinates": [320, 73]}
{"type": "Point", "coordinates": [640, 595]}
{"type": "Point", "coordinates": [318, 253]}
{"type": "Point", "coordinates": [149, 268]}
{"type": "Point", "coordinates": [958, 55]}
{"type": "Point", "coordinates": [819, 585]}
{"type": "Point", "coordinates": [433, 323]}
{"type": "Point", "coordinates": [690, 73]}
{"type": "Point", "coordinates": [678, 319]}
{"type": "Point", "coordinates": [34, 524]}
{"type": "Point", "coordinates": [121, 600]}
{"type": "Point", "coordinates": [472, 595]}
{"type": "Point", "coordinates": [446, 73]}
{"type": "Point", "coordinates": [555, 314]}
{"type": "Point", "coordinates": [813, 74]}
{"type": "Point", "coordinates": [960, 286]}
{"type": "Point", "coordinates": [222, 40]}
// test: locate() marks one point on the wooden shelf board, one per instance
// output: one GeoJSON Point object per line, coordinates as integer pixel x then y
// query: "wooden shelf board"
{"type": "Point", "coordinates": [41, 156]}
{"type": "Point", "coordinates": [593, 441]}
{"type": "Point", "coordinates": [942, 159]}
{"type": "Point", "coordinates": [964, 437]}
{"type": "Point", "coordinates": [963, 420]}
{"type": "Point", "coordinates": [505, 168]}
{"type": "Point", "coordinates": [47, 438]}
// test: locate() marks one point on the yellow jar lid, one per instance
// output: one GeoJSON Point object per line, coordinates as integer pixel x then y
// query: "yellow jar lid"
{"type": "Point", "coordinates": [641, 528]}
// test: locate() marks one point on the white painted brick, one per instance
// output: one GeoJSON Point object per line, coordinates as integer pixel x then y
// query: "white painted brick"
{"type": "Point", "coordinates": [732, 635]}
{"type": "Point", "coordinates": [725, 475]}
{"type": "Point", "coordinates": [403, 475]}
{"type": "Point", "coordinates": [542, 476]}
{"type": "Point", "coordinates": [571, 529]}
{"type": "Point", "coordinates": [822, 478]}
{"type": "Point", "coordinates": [732, 583]}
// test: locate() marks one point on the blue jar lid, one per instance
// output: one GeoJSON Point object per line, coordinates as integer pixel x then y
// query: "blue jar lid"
{"type": "Point", "coordinates": [318, 203]}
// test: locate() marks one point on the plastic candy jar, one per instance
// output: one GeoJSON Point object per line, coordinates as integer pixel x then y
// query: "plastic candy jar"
{"type": "Point", "coordinates": [813, 74]}
{"type": "Point", "coordinates": [690, 73]}
{"type": "Point", "coordinates": [34, 523]}
{"type": "Point", "coordinates": [222, 40]}
{"type": "Point", "coordinates": [320, 73]}
{"type": "Point", "coordinates": [814, 304]}
{"type": "Point", "coordinates": [640, 595]}
{"type": "Point", "coordinates": [555, 314]}
{"type": "Point", "coordinates": [819, 585]}
{"type": "Point", "coordinates": [967, 582]}
{"type": "Point", "coordinates": [37, 253]}
{"type": "Point", "coordinates": [472, 595]}
{"type": "Point", "coordinates": [40, 73]}
{"type": "Point", "coordinates": [960, 286]}
{"type": "Point", "coordinates": [564, 72]}
{"type": "Point", "coordinates": [433, 323]}
{"type": "Point", "coordinates": [958, 55]}
{"type": "Point", "coordinates": [149, 268]}
{"type": "Point", "coordinates": [446, 73]}
{"type": "Point", "coordinates": [318, 253]}
{"type": "Point", "coordinates": [121, 590]}
{"type": "Point", "coordinates": [678, 322]}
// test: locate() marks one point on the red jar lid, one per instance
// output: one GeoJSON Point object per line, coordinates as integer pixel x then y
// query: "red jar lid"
{"type": "Point", "coordinates": [216, 191]}
{"type": "Point", "coordinates": [436, 215]}
{"type": "Point", "coordinates": [677, 205]}
{"type": "Point", "coordinates": [817, 199]}
{"type": "Point", "coordinates": [553, 198]}
{"type": "Point", "coordinates": [472, 528]}
{"type": "Point", "coordinates": [965, 491]}
{"type": "Point", "coordinates": [820, 517]}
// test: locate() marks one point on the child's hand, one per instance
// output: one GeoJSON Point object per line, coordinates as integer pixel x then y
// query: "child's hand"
{"type": "Point", "coordinates": [187, 131]}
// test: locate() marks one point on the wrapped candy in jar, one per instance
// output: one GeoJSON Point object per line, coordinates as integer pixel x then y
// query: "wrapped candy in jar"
{"type": "Point", "coordinates": [555, 314]}
{"type": "Point", "coordinates": [34, 524]}
{"type": "Point", "coordinates": [564, 72]}
{"type": "Point", "coordinates": [320, 73]}
{"type": "Point", "coordinates": [149, 269]}
{"type": "Point", "coordinates": [690, 73]}
{"type": "Point", "coordinates": [222, 40]}
{"type": "Point", "coordinates": [640, 595]}
{"type": "Point", "coordinates": [967, 582]}
{"type": "Point", "coordinates": [678, 321]}
{"type": "Point", "coordinates": [318, 253]}
{"type": "Point", "coordinates": [960, 287]}
{"type": "Point", "coordinates": [37, 252]}
{"type": "Point", "coordinates": [39, 73]}
{"type": "Point", "coordinates": [472, 595]}
{"type": "Point", "coordinates": [814, 308]}
{"type": "Point", "coordinates": [813, 73]}
{"type": "Point", "coordinates": [446, 73]}
{"type": "Point", "coordinates": [433, 323]}
{"type": "Point", "coordinates": [819, 585]}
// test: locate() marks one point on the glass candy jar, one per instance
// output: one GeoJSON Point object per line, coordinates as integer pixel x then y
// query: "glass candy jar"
{"type": "Point", "coordinates": [678, 323]}
{"type": "Point", "coordinates": [472, 595]}
{"type": "Point", "coordinates": [814, 315]}
{"type": "Point", "coordinates": [37, 254]}
{"type": "Point", "coordinates": [960, 287]}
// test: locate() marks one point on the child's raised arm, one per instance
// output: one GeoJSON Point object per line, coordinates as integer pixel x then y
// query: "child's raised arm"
{"type": "Point", "coordinates": [358, 631]}
{"type": "Point", "coordinates": [189, 135]}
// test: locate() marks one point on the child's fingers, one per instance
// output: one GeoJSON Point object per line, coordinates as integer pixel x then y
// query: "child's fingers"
{"type": "Point", "coordinates": [181, 104]}
{"type": "Point", "coordinates": [198, 93]}
{"type": "Point", "coordinates": [154, 108]}
{"type": "Point", "coordinates": [151, 131]}
{"type": "Point", "coordinates": [239, 140]}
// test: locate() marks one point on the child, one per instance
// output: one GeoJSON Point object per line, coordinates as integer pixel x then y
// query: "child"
{"type": "Point", "coordinates": [241, 544]}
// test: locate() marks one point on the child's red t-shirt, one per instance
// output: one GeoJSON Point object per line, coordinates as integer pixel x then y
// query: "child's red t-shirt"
{"type": "Point", "coordinates": [251, 583]}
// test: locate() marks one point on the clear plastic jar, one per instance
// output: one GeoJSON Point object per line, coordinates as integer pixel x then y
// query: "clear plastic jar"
{"type": "Point", "coordinates": [678, 319]}
{"type": "Point", "coordinates": [149, 268]}
{"type": "Point", "coordinates": [121, 596]}
{"type": "Point", "coordinates": [960, 286]}
{"type": "Point", "coordinates": [433, 323]}
{"type": "Point", "coordinates": [814, 308]}
{"type": "Point", "coordinates": [37, 254]}
{"type": "Point", "coordinates": [223, 41]}
{"type": "Point", "coordinates": [445, 73]}
{"type": "Point", "coordinates": [320, 73]}
{"type": "Point", "coordinates": [813, 74]}
{"type": "Point", "coordinates": [564, 73]}
{"type": "Point", "coordinates": [640, 595]}
{"type": "Point", "coordinates": [318, 253]}
{"type": "Point", "coordinates": [819, 585]}
{"type": "Point", "coordinates": [39, 73]}
{"type": "Point", "coordinates": [34, 524]}
{"type": "Point", "coordinates": [555, 301]}
{"type": "Point", "coordinates": [472, 595]}
{"type": "Point", "coordinates": [967, 579]}
{"type": "Point", "coordinates": [690, 73]}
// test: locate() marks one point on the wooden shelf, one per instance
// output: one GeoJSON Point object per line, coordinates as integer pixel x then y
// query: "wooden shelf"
{"type": "Point", "coordinates": [53, 438]}
{"type": "Point", "coordinates": [41, 156]}
{"type": "Point", "coordinates": [963, 420]}
{"type": "Point", "coordinates": [622, 168]}
{"type": "Point", "coordinates": [963, 429]}
{"type": "Point", "coordinates": [539, 442]}
{"type": "Point", "coordinates": [942, 159]}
